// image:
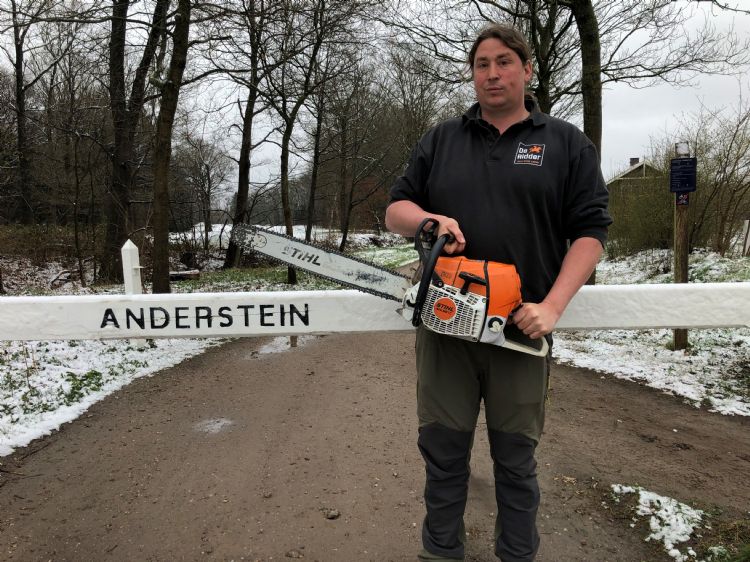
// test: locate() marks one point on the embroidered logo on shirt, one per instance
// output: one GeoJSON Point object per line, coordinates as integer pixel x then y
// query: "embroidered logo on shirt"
{"type": "Point", "coordinates": [529, 154]}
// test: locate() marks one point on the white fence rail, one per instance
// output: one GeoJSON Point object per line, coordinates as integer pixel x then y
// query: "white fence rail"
{"type": "Point", "coordinates": [704, 305]}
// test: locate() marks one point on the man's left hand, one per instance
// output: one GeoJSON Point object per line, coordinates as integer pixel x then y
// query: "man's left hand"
{"type": "Point", "coordinates": [536, 320]}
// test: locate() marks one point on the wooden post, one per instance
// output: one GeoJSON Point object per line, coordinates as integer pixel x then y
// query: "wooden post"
{"type": "Point", "coordinates": [682, 181]}
{"type": "Point", "coordinates": [746, 239]}
{"type": "Point", "coordinates": [131, 275]}
{"type": "Point", "coordinates": [681, 252]}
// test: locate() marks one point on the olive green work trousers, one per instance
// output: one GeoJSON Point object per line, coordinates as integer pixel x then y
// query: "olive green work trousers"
{"type": "Point", "coordinates": [454, 377]}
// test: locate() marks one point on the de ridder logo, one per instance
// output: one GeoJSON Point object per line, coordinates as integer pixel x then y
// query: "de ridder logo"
{"type": "Point", "coordinates": [529, 154]}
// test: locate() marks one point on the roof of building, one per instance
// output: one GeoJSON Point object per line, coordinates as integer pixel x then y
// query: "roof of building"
{"type": "Point", "coordinates": [639, 170]}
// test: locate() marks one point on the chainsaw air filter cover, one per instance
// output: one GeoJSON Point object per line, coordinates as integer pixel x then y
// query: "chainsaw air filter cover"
{"type": "Point", "coordinates": [474, 301]}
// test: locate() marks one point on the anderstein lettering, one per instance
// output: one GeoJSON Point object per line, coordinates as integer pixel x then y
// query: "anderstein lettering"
{"type": "Point", "coordinates": [195, 317]}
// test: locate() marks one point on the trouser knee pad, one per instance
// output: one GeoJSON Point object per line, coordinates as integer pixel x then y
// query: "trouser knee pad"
{"type": "Point", "coordinates": [446, 455]}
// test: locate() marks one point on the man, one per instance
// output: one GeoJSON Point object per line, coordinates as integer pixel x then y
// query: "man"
{"type": "Point", "coordinates": [512, 185]}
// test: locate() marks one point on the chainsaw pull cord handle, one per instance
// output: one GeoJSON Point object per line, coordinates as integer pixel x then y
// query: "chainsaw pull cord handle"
{"type": "Point", "coordinates": [428, 274]}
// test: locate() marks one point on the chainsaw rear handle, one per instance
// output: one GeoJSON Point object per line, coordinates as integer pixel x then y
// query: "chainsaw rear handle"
{"type": "Point", "coordinates": [426, 237]}
{"type": "Point", "coordinates": [428, 269]}
{"type": "Point", "coordinates": [424, 240]}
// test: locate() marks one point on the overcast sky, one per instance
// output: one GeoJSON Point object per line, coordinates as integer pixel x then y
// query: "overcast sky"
{"type": "Point", "coordinates": [632, 117]}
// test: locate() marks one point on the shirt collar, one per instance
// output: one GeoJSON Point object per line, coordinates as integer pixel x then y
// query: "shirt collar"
{"type": "Point", "coordinates": [536, 117]}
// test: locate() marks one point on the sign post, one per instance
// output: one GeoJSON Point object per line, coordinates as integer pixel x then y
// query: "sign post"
{"type": "Point", "coordinates": [682, 182]}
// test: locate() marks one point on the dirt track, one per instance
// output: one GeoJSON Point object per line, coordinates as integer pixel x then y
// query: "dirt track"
{"type": "Point", "coordinates": [311, 453]}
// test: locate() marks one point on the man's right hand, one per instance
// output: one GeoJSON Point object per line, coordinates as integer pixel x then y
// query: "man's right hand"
{"type": "Point", "coordinates": [403, 217]}
{"type": "Point", "coordinates": [447, 225]}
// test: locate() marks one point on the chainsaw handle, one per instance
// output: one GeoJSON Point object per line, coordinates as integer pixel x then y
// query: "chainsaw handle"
{"type": "Point", "coordinates": [426, 236]}
{"type": "Point", "coordinates": [428, 274]}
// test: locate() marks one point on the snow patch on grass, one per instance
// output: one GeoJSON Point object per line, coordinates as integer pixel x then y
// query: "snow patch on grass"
{"type": "Point", "coordinates": [46, 384]}
{"type": "Point", "coordinates": [670, 521]}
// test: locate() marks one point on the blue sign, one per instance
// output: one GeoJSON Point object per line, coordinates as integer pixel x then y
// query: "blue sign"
{"type": "Point", "coordinates": [682, 175]}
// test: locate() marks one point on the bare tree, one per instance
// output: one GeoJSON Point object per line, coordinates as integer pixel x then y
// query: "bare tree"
{"type": "Point", "coordinates": [415, 94]}
{"type": "Point", "coordinates": [309, 28]}
{"type": "Point", "coordinates": [126, 111]}
{"type": "Point", "coordinates": [7, 143]}
{"type": "Point", "coordinates": [22, 19]}
{"type": "Point", "coordinates": [318, 108]}
{"type": "Point", "coordinates": [591, 69]}
{"type": "Point", "coordinates": [366, 121]}
{"type": "Point", "coordinates": [721, 140]}
{"type": "Point", "coordinates": [170, 86]}
{"type": "Point", "coordinates": [204, 169]}
{"type": "Point", "coordinates": [237, 54]}
{"type": "Point", "coordinates": [358, 110]}
{"type": "Point", "coordinates": [74, 121]}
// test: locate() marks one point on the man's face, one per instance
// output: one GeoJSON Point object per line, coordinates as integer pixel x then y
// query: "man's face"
{"type": "Point", "coordinates": [499, 77]}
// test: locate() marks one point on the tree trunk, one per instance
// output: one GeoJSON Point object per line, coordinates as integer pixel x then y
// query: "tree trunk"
{"type": "Point", "coordinates": [125, 116]}
{"type": "Point", "coordinates": [542, 38]}
{"type": "Point", "coordinates": [163, 150]}
{"type": "Point", "coordinates": [314, 172]}
{"type": "Point", "coordinates": [591, 77]}
{"type": "Point", "coordinates": [345, 220]}
{"type": "Point", "coordinates": [591, 70]}
{"type": "Point", "coordinates": [118, 201]}
{"type": "Point", "coordinates": [285, 203]}
{"type": "Point", "coordinates": [23, 180]}
{"type": "Point", "coordinates": [256, 28]}
{"type": "Point", "coordinates": [343, 200]}
{"type": "Point", "coordinates": [76, 213]}
{"type": "Point", "coordinates": [234, 252]}
{"type": "Point", "coordinates": [207, 226]}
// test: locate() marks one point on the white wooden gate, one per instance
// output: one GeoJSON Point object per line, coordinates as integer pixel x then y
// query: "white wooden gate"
{"type": "Point", "coordinates": [693, 305]}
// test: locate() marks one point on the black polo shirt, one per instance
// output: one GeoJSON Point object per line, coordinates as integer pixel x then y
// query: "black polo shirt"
{"type": "Point", "coordinates": [518, 197]}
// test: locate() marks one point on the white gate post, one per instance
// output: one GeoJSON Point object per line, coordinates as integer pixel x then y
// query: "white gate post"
{"type": "Point", "coordinates": [131, 275]}
{"type": "Point", "coordinates": [746, 239]}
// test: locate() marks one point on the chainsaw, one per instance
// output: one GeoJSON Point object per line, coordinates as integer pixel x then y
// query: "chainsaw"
{"type": "Point", "coordinates": [455, 296]}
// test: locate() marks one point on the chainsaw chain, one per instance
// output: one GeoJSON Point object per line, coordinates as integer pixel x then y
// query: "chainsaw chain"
{"type": "Point", "coordinates": [241, 231]}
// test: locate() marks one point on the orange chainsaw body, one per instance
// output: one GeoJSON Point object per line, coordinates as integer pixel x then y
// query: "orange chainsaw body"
{"type": "Point", "coordinates": [502, 281]}
{"type": "Point", "coordinates": [470, 299]}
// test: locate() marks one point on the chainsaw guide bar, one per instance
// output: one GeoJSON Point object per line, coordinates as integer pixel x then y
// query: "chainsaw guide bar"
{"type": "Point", "coordinates": [346, 270]}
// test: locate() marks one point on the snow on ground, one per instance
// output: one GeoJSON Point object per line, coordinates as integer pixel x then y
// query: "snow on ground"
{"type": "Point", "coordinates": [670, 521]}
{"type": "Point", "coordinates": [278, 345]}
{"type": "Point", "coordinates": [714, 372]}
{"type": "Point", "coordinates": [46, 384]}
{"type": "Point", "coordinates": [218, 237]}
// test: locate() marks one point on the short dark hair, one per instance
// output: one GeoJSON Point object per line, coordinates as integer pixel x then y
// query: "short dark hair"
{"type": "Point", "coordinates": [509, 35]}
